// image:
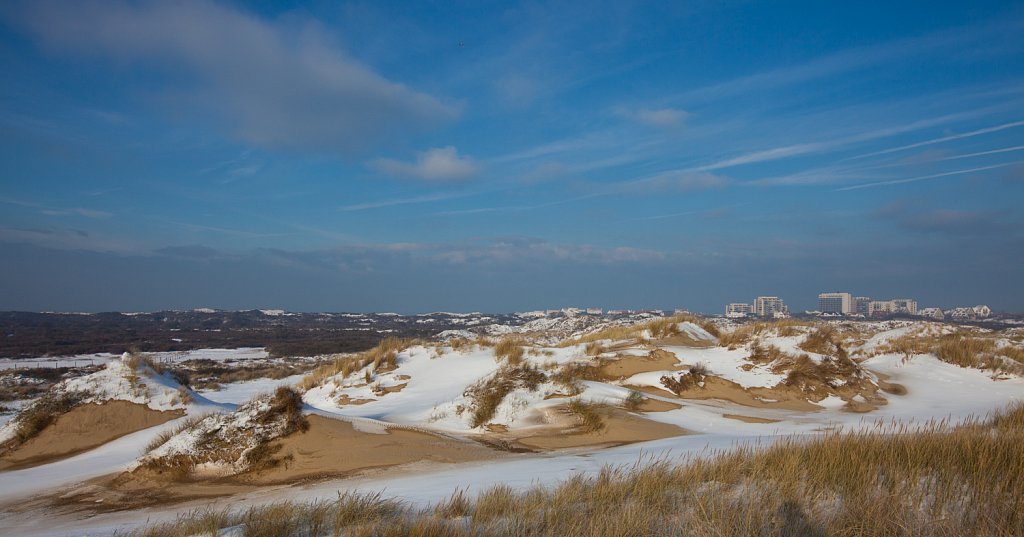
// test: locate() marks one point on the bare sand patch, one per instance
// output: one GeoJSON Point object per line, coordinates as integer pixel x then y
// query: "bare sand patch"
{"type": "Point", "coordinates": [346, 400]}
{"type": "Point", "coordinates": [83, 428]}
{"type": "Point", "coordinates": [749, 419]}
{"type": "Point", "coordinates": [620, 428]}
{"type": "Point", "coordinates": [627, 366]}
{"type": "Point", "coordinates": [332, 448]}
{"type": "Point", "coordinates": [889, 387]}
{"type": "Point", "coordinates": [657, 405]}
{"type": "Point", "coordinates": [384, 390]}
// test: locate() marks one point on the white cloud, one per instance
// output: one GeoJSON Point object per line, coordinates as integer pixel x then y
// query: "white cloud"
{"type": "Point", "coordinates": [438, 164]}
{"type": "Point", "coordinates": [275, 83]}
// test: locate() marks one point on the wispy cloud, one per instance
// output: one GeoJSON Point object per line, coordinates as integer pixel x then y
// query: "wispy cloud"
{"type": "Point", "coordinates": [983, 153]}
{"type": "Point", "coordinates": [401, 201]}
{"type": "Point", "coordinates": [440, 164]}
{"type": "Point", "coordinates": [837, 144]}
{"type": "Point", "coordinates": [59, 211]}
{"type": "Point", "coordinates": [926, 177]}
{"type": "Point", "coordinates": [933, 141]}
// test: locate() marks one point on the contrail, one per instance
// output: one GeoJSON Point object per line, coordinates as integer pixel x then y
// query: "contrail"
{"type": "Point", "coordinates": [943, 139]}
{"type": "Point", "coordinates": [922, 178]}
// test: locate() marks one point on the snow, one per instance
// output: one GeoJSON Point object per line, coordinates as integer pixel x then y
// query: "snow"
{"type": "Point", "coordinates": [435, 386]}
{"type": "Point", "coordinates": [724, 363]}
{"type": "Point", "coordinates": [240, 392]}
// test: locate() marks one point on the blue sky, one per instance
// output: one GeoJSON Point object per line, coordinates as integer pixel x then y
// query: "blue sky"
{"type": "Point", "coordinates": [355, 157]}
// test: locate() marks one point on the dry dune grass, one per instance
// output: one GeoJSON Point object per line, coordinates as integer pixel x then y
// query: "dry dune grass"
{"type": "Point", "coordinates": [662, 328]}
{"type": "Point", "coordinates": [382, 357]}
{"type": "Point", "coordinates": [743, 334]}
{"type": "Point", "coordinates": [965, 349]}
{"type": "Point", "coordinates": [41, 414]}
{"type": "Point", "coordinates": [510, 349]}
{"type": "Point", "coordinates": [488, 393]}
{"type": "Point", "coordinates": [282, 415]}
{"type": "Point", "coordinates": [588, 415]}
{"type": "Point", "coordinates": [933, 480]}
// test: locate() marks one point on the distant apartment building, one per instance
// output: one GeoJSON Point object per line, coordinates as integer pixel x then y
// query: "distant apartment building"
{"type": "Point", "coordinates": [770, 306]}
{"type": "Point", "coordinates": [841, 303]}
{"type": "Point", "coordinates": [860, 304]}
{"type": "Point", "coordinates": [738, 310]}
{"type": "Point", "coordinates": [594, 311]}
{"type": "Point", "coordinates": [681, 311]}
{"type": "Point", "coordinates": [877, 308]}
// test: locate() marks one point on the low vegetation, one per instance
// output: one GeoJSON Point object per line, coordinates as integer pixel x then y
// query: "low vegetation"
{"type": "Point", "coordinates": [633, 401]}
{"type": "Point", "coordinates": [692, 378]}
{"type": "Point", "coordinates": [205, 374]}
{"type": "Point", "coordinates": [242, 441]}
{"type": "Point", "coordinates": [509, 349]}
{"type": "Point", "coordinates": [933, 480]}
{"type": "Point", "coordinates": [570, 375]}
{"type": "Point", "coordinates": [382, 357]}
{"type": "Point", "coordinates": [487, 394]}
{"type": "Point", "coordinates": [964, 349]}
{"type": "Point", "coordinates": [660, 328]}
{"type": "Point", "coordinates": [587, 414]}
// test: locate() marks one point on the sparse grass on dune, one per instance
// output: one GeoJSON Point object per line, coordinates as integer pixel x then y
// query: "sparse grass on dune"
{"type": "Point", "coordinates": [184, 425]}
{"type": "Point", "coordinates": [661, 328]}
{"type": "Point", "coordinates": [932, 480]}
{"type": "Point", "coordinates": [588, 415]}
{"type": "Point", "coordinates": [965, 349]}
{"type": "Point", "coordinates": [510, 349]}
{"type": "Point", "coordinates": [384, 355]}
{"type": "Point", "coordinates": [219, 439]}
{"type": "Point", "coordinates": [488, 394]}
{"type": "Point", "coordinates": [743, 334]}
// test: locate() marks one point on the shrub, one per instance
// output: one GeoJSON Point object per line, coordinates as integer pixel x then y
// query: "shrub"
{"type": "Point", "coordinates": [686, 381]}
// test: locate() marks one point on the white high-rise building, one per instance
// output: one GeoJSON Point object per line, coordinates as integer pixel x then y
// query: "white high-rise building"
{"type": "Point", "coordinates": [836, 303]}
{"type": "Point", "coordinates": [738, 309]}
{"type": "Point", "coordinates": [770, 306]}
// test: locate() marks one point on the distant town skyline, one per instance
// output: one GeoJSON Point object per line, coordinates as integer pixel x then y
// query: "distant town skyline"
{"type": "Point", "coordinates": [335, 156]}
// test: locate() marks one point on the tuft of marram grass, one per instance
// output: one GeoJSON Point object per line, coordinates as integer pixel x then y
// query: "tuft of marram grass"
{"type": "Point", "coordinates": [487, 394]}
{"type": "Point", "coordinates": [928, 480]}
{"type": "Point", "coordinates": [588, 415]}
{"type": "Point", "coordinates": [383, 355]}
{"type": "Point", "coordinates": [509, 349]}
